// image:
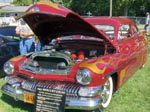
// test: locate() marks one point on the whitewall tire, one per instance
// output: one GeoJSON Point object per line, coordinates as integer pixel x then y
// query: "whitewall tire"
{"type": "Point", "coordinates": [107, 92]}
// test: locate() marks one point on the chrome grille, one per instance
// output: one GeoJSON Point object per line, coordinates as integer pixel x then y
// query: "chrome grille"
{"type": "Point", "coordinates": [71, 89]}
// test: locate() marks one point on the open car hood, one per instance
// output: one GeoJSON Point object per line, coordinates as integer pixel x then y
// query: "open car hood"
{"type": "Point", "coordinates": [49, 21]}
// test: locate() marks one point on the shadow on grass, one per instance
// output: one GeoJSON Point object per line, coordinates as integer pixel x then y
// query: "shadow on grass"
{"type": "Point", "coordinates": [17, 104]}
{"type": "Point", "coordinates": [2, 74]}
{"type": "Point", "coordinates": [25, 106]}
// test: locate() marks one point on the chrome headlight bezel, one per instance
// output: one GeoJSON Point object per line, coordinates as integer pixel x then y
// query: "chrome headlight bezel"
{"type": "Point", "coordinates": [83, 76]}
{"type": "Point", "coordinates": [8, 68]}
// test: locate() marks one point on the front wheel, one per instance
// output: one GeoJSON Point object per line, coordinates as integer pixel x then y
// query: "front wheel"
{"type": "Point", "coordinates": [106, 95]}
{"type": "Point", "coordinates": [107, 92]}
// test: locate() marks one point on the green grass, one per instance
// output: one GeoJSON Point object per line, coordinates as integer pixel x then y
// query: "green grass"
{"type": "Point", "coordinates": [8, 104]}
{"type": "Point", "coordinates": [134, 96]}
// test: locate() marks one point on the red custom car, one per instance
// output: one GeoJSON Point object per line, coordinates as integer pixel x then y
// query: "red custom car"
{"type": "Point", "coordinates": [85, 59]}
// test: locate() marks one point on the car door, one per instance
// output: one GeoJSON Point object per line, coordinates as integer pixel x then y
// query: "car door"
{"type": "Point", "coordinates": [141, 46]}
{"type": "Point", "coordinates": [128, 46]}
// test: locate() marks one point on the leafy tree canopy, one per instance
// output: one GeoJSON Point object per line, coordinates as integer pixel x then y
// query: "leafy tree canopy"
{"type": "Point", "coordinates": [101, 7]}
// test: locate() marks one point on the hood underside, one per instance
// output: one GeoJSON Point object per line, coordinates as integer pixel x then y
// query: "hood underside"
{"type": "Point", "coordinates": [49, 21]}
{"type": "Point", "coordinates": [47, 26]}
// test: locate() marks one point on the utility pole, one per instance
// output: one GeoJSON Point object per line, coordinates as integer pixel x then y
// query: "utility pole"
{"type": "Point", "coordinates": [110, 13]}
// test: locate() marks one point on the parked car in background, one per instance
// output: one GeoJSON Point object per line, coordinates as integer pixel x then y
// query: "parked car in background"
{"type": "Point", "coordinates": [8, 31]}
{"type": "Point", "coordinates": [9, 45]}
{"type": "Point", "coordinates": [86, 60]}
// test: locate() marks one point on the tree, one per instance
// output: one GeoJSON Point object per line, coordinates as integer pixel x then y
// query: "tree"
{"type": "Point", "coordinates": [22, 2]}
{"type": "Point", "coordinates": [97, 8]}
{"type": "Point", "coordinates": [131, 7]}
{"type": "Point", "coordinates": [101, 7]}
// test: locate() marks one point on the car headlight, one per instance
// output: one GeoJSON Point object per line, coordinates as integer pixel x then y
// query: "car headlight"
{"type": "Point", "coordinates": [8, 68]}
{"type": "Point", "coordinates": [83, 76]}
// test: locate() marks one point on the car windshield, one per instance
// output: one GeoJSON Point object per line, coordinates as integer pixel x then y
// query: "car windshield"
{"type": "Point", "coordinates": [108, 29]}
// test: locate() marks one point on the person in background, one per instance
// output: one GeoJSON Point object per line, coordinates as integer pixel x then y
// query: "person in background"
{"type": "Point", "coordinates": [26, 44]}
{"type": "Point", "coordinates": [37, 44]}
{"type": "Point", "coordinates": [147, 21]}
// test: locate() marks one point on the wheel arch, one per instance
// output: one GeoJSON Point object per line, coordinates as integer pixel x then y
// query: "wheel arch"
{"type": "Point", "coordinates": [115, 81]}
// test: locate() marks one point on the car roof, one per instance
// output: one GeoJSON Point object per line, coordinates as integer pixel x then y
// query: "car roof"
{"type": "Point", "coordinates": [115, 21]}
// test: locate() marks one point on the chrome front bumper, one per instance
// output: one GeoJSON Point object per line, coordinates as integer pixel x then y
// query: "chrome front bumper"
{"type": "Point", "coordinates": [71, 103]}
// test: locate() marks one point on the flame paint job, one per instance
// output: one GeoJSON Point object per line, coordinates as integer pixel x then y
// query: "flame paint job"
{"type": "Point", "coordinates": [50, 7]}
{"type": "Point", "coordinates": [121, 59]}
{"type": "Point", "coordinates": [130, 53]}
{"type": "Point", "coordinates": [95, 66]}
{"type": "Point", "coordinates": [15, 59]}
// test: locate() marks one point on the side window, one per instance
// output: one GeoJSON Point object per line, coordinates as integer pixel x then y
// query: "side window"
{"type": "Point", "coordinates": [124, 32]}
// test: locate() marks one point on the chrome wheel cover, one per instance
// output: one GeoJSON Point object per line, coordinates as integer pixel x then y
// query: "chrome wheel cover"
{"type": "Point", "coordinates": [107, 92]}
